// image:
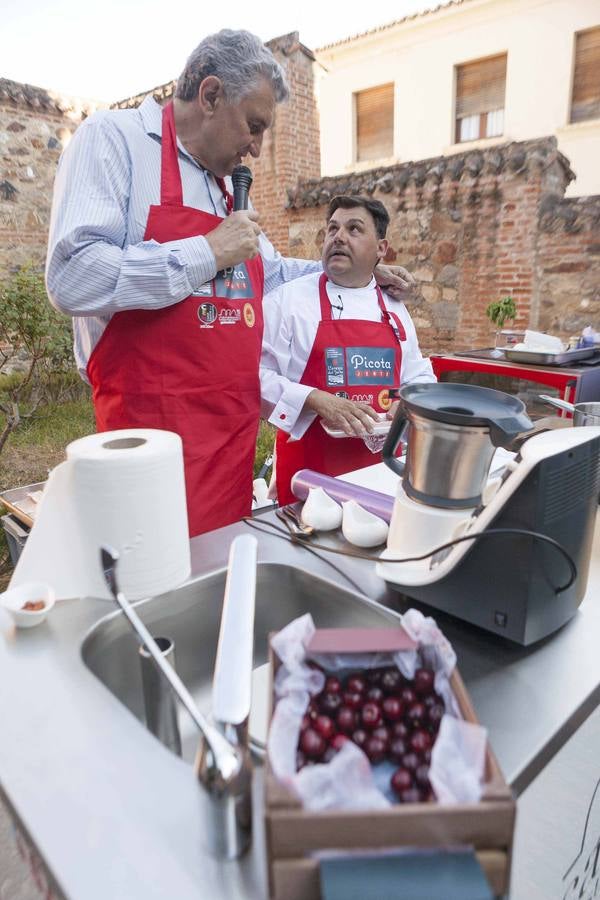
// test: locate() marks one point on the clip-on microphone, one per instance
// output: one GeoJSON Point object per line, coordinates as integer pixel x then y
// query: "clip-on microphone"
{"type": "Point", "coordinates": [242, 179]}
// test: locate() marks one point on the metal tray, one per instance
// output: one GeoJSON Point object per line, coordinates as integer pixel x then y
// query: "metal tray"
{"type": "Point", "coordinates": [20, 502]}
{"type": "Point", "coordinates": [536, 358]}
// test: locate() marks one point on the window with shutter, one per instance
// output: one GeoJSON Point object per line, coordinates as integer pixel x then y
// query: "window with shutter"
{"type": "Point", "coordinates": [585, 102]}
{"type": "Point", "coordinates": [374, 122]}
{"type": "Point", "coordinates": [480, 89]}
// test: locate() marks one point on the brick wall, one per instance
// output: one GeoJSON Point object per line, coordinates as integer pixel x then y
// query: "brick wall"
{"type": "Point", "coordinates": [291, 148]}
{"type": "Point", "coordinates": [473, 228]}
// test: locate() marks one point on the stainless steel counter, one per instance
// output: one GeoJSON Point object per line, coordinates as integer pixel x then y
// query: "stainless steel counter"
{"type": "Point", "coordinates": [115, 815]}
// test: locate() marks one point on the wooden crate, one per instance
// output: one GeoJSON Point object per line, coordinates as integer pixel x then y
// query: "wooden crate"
{"type": "Point", "coordinates": [293, 833]}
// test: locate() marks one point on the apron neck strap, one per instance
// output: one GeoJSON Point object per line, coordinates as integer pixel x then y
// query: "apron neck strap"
{"type": "Point", "coordinates": [226, 195]}
{"type": "Point", "coordinates": [392, 320]}
{"type": "Point", "coordinates": [171, 191]}
{"type": "Point", "coordinates": [324, 299]}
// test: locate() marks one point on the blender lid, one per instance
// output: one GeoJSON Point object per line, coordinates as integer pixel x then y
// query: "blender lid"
{"type": "Point", "coordinates": [468, 404]}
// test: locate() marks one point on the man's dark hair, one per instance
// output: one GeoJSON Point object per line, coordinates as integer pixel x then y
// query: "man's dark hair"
{"type": "Point", "coordinates": [375, 208]}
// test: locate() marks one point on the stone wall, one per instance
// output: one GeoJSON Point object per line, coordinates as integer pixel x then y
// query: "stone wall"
{"type": "Point", "coordinates": [473, 228]}
{"type": "Point", "coordinates": [35, 125]}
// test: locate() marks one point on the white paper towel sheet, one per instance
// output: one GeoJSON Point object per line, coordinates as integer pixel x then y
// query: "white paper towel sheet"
{"type": "Point", "coordinates": [123, 488]}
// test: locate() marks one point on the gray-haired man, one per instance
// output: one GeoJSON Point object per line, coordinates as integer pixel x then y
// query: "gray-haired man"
{"type": "Point", "coordinates": [164, 282]}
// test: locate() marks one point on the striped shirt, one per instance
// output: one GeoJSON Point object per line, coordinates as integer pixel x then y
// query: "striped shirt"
{"type": "Point", "coordinates": [98, 261]}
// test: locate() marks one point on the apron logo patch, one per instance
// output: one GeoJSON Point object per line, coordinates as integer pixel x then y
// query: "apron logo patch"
{"type": "Point", "coordinates": [249, 317]}
{"type": "Point", "coordinates": [233, 283]}
{"type": "Point", "coordinates": [207, 313]}
{"type": "Point", "coordinates": [335, 367]}
{"type": "Point", "coordinates": [229, 316]}
{"type": "Point", "coordinates": [384, 399]}
{"type": "Point", "coordinates": [370, 365]}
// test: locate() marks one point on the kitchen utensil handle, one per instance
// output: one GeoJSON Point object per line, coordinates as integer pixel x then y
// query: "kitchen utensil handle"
{"type": "Point", "coordinates": [392, 440]}
{"type": "Point", "coordinates": [233, 668]}
{"type": "Point", "coordinates": [555, 401]}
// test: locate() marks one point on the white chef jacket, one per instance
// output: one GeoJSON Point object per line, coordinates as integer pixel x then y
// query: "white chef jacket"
{"type": "Point", "coordinates": [292, 314]}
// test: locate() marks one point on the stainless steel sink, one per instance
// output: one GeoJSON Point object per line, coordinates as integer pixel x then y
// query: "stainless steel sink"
{"type": "Point", "coordinates": [190, 616]}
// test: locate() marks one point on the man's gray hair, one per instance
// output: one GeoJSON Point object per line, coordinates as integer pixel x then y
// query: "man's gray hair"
{"type": "Point", "coordinates": [239, 59]}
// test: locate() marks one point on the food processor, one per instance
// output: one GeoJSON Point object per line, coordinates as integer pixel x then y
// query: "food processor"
{"type": "Point", "coordinates": [513, 550]}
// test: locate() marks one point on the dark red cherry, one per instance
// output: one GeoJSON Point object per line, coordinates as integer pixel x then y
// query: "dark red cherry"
{"type": "Point", "coordinates": [397, 749]}
{"type": "Point", "coordinates": [434, 716]}
{"type": "Point", "coordinates": [382, 732]}
{"type": "Point", "coordinates": [374, 676]}
{"type": "Point", "coordinates": [422, 777]}
{"type": "Point", "coordinates": [400, 729]}
{"type": "Point", "coordinates": [392, 708]}
{"type": "Point", "coordinates": [410, 761]}
{"type": "Point", "coordinates": [346, 719]}
{"type": "Point", "coordinates": [420, 740]}
{"type": "Point", "coordinates": [352, 699]}
{"type": "Point", "coordinates": [333, 685]}
{"type": "Point", "coordinates": [391, 680]}
{"type": "Point", "coordinates": [356, 684]}
{"type": "Point", "coordinates": [415, 714]}
{"type": "Point", "coordinates": [375, 693]}
{"type": "Point", "coordinates": [312, 744]}
{"type": "Point", "coordinates": [375, 749]}
{"type": "Point", "coordinates": [330, 703]}
{"type": "Point", "coordinates": [371, 715]}
{"type": "Point", "coordinates": [359, 736]}
{"type": "Point", "coordinates": [407, 695]}
{"type": "Point", "coordinates": [401, 780]}
{"type": "Point", "coordinates": [338, 741]}
{"type": "Point", "coordinates": [324, 725]}
{"type": "Point", "coordinates": [423, 681]}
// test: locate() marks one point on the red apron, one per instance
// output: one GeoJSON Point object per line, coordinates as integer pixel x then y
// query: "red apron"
{"type": "Point", "coordinates": [191, 367]}
{"type": "Point", "coordinates": [351, 358]}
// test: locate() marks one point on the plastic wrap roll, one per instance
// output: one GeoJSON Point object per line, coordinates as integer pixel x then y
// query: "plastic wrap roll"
{"type": "Point", "coordinates": [375, 502]}
{"type": "Point", "coordinates": [123, 488]}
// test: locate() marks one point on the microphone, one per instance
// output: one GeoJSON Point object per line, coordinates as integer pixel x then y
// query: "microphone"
{"type": "Point", "coordinates": [242, 179]}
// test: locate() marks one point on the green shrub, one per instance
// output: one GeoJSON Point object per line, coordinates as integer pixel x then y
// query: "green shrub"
{"type": "Point", "coordinates": [32, 332]}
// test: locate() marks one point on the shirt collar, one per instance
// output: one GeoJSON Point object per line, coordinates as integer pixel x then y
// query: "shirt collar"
{"type": "Point", "coordinates": [151, 115]}
{"type": "Point", "coordinates": [367, 287]}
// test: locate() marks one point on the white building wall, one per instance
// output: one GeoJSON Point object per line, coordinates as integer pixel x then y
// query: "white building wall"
{"type": "Point", "coordinates": [420, 56]}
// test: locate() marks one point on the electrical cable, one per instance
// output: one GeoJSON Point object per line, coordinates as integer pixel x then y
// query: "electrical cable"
{"type": "Point", "coordinates": [305, 541]}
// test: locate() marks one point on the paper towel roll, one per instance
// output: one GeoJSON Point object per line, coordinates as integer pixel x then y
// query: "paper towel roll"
{"type": "Point", "coordinates": [123, 488]}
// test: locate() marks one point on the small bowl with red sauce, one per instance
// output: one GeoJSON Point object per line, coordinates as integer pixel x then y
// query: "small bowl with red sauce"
{"type": "Point", "coordinates": [29, 603]}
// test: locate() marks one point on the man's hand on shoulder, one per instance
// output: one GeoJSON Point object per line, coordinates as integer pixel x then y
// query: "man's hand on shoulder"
{"type": "Point", "coordinates": [352, 417]}
{"type": "Point", "coordinates": [235, 239]}
{"type": "Point", "coordinates": [395, 280]}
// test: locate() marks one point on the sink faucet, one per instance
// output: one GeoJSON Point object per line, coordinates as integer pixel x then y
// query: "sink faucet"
{"type": "Point", "coordinates": [223, 762]}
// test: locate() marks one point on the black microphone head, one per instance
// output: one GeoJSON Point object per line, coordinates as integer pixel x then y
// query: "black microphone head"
{"type": "Point", "coordinates": [242, 177]}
